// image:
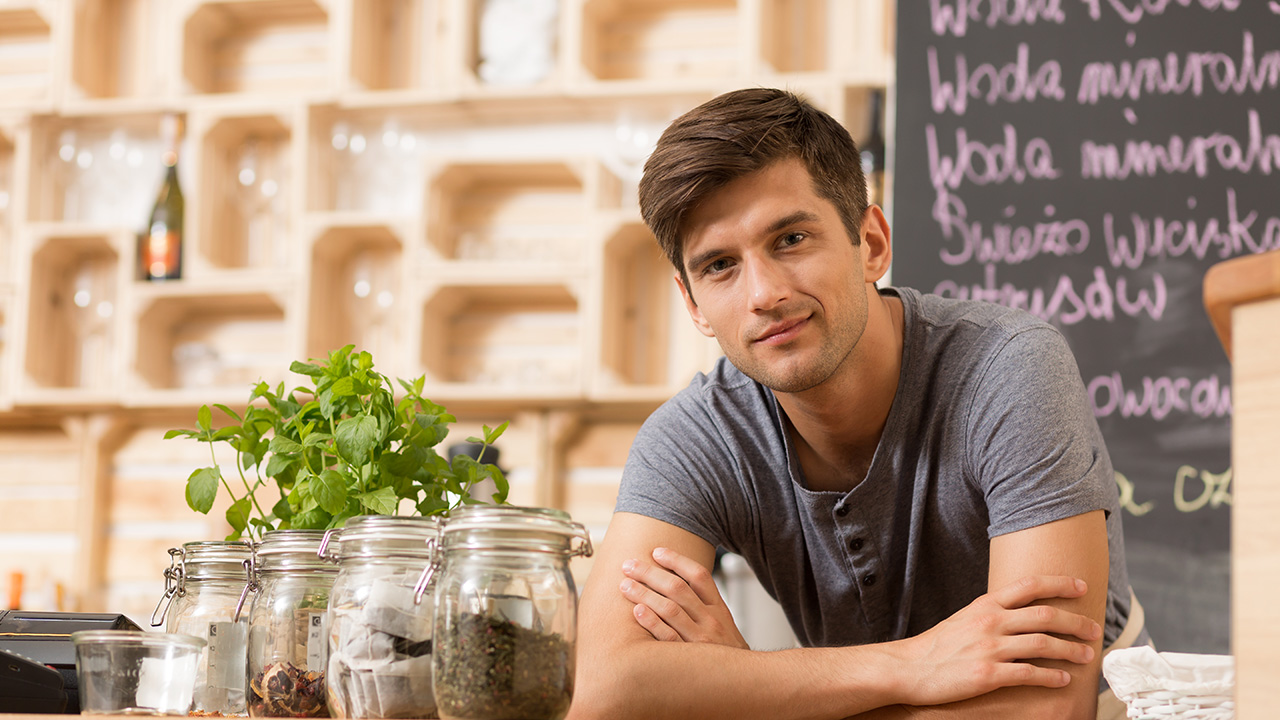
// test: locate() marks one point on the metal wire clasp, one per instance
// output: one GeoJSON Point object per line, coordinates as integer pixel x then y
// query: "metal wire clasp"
{"type": "Point", "coordinates": [174, 584]}
{"type": "Point", "coordinates": [250, 584]}
{"type": "Point", "coordinates": [424, 580]}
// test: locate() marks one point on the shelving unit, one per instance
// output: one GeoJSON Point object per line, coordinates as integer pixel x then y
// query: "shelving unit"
{"type": "Point", "coordinates": [444, 185]}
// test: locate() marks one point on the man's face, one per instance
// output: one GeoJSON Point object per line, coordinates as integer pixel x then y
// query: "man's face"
{"type": "Point", "coordinates": [776, 278]}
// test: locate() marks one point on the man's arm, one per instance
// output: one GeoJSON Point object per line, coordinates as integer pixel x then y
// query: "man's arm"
{"type": "Point", "coordinates": [623, 671]}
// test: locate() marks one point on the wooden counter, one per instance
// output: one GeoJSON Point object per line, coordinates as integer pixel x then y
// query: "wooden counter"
{"type": "Point", "coordinates": [1242, 297]}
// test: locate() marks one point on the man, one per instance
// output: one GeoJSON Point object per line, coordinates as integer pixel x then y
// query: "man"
{"type": "Point", "coordinates": [919, 482]}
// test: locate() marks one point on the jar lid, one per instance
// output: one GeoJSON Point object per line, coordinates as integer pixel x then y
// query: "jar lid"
{"type": "Point", "coordinates": [135, 638]}
{"type": "Point", "coordinates": [522, 529]}
{"type": "Point", "coordinates": [215, 560]}
{"type": "Point", "coordinates": [375, 536]}
{"type": "Point", "coordinates": [291, 550]}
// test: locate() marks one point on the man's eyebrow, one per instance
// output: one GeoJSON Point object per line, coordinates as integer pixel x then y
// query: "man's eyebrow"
{"type": "Point", "coordinates": [799, 216]}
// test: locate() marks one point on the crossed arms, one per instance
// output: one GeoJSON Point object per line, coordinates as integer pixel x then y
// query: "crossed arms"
{"type": "Point", "coordinates": [656, 640]}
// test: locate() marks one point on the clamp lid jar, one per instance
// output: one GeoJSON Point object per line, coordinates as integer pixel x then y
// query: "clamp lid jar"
{"type": "Point", "coordinates": [506, 613]}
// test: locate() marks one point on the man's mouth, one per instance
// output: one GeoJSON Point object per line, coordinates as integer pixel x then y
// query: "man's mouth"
{"type": "Point", "coordinates": [781, 332]}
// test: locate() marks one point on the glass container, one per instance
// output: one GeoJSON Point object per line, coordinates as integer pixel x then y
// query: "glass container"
{"type": "Point", "coordinates": [506, 613]}
{"type": "Point", "coordinates": [379, 638]}
{"type": "Point", "coordinates": [124, 672]}
{"type": "Point", "coordinates": [205, 586]}
{"type": "Point", "coordinates": [288, 647]}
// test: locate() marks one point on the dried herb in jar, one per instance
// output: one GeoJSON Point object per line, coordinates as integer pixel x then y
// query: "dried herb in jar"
{"type": "Point", "coordinates": [284, 690]}
{"type": "Point", "coordinates": [497, 670]}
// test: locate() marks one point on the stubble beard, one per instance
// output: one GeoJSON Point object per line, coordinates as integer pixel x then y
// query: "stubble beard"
{"type": "Point", "coordinates": [789, 377]}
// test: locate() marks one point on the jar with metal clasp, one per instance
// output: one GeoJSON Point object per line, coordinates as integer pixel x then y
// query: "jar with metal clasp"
{"type": "Point", "coordinates": [203, 587]}
{"type": "Point", "coordinates": [379, 638]}
{"type": "Point", "coordinates": [506, 613]}
{"type": "Point", "coordinates": [288, 626]}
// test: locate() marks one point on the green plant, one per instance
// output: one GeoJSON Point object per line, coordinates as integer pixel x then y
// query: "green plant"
{"type": "Point", "coordinates": [346, 448]}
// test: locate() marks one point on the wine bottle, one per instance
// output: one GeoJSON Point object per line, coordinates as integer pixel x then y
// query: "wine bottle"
{"type": "Point", "coordinates": [872, 149]}
{"type": "Point", "coordinates": [160, 246]}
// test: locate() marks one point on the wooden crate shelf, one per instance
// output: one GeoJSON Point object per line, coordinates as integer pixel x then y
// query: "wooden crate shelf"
{"type": "Point", "coordinates": [203, 341]}
{"type": "Point", "coordinates": [515, 341]}
{"type": "Point", "coordinates": [281, 47]}
{"type": "Point", "coordinates": [102, 169]}
{"type": "Point", "coordinates": [243, 207]}
{"type": "Point", "coordinates": [73, 306]}
{"type": "Point", "coordinates": [398, 45]}
{"type": "Point", "coordinates": [28, 54]}
{"type": "Point", "coordinates": [526, 212]}
{"type": "Point", "coordinates": [119, 48]}
{"type": "Point", "coordinates": [8, 199]}
{"type": "Point", "coordinates": [663, 39]}
{"type": "Point", "coordinates": [513, 47]}
{"type": "Point", "coordinates": [357, 293]}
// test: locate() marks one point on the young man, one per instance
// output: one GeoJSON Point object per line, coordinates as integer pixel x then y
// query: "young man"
{"type": "Point", "coordinates": [919, 482]}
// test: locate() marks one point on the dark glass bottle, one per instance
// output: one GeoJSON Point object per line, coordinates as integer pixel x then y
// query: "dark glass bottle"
{"type": "Point", "coordinates": [872, 149]}
{"type": "Point", "coordinates": [160, 246]}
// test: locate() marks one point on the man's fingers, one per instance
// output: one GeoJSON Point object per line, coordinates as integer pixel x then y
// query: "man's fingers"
{"type": "Point", "coordinates": [1015, 674]}
{"type": "Point", "coordinates": [691, 571]}
{"type": "Point", "coordinates": [651, 622]}
{"type": "Point", "coordinates": [664, 583]}
{"type": "Point", "coordinates": [1047, 619]}
{"type": "Point", "coordinates": [1027, 590]}
{"type": "Point", "coordinates": [1045, 647]}
{"type": "Point", "coordinates": [662, 608]}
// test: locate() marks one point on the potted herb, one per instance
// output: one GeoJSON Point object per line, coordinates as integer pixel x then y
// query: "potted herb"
{"type": "Point", "coordinates": [342, 447]}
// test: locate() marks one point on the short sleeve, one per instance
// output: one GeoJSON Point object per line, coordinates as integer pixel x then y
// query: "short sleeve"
{"type": "Point", "coordinates": [1033, 447]}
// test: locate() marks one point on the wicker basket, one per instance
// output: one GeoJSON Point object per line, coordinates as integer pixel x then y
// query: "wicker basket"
{"type": "Point", "coordinates": [1172, 686]}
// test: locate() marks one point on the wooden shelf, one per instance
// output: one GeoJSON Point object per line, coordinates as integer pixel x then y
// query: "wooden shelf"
{"type": "Point", "coordinates": [280, 47]}
{"type": "Point", "coordinates": [27, 54]}
{"type": "Point", "coordinates": [491, 207]}
{"type": "Point", "coordinates": [244, 210]}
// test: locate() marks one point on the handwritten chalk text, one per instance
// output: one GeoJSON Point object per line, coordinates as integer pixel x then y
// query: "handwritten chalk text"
{"type": "Point", "coordinates": [1157, 237]}
{"type": "Point", "coordinates": [1012, 82]}
{"type": "Point", "coordinates": [1004, 242]}
{"type": "Point", "coordinates": [1133, 11]}
{"type": "Point", "coordinates": [1183, 156]}
{"type": "Point", "coordinates": [1102, 298]}
{"type": "Point", "coordinates": [1175, 75]}
{"type": "Point", "coordinates": [1160, 397]}
{"type": "Point", "coordinates": [1214, 489]}
{"type": "Point", "coordinates": [955, 18]}
{"type": "Point", "coordinates": [983, 164]}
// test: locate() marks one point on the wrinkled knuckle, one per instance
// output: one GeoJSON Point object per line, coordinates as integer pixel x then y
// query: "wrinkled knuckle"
{"type": "Point", "coordinates": [1040, 644]}
{"type": "Point", "coordinates": [1045, 614]}
{"type": "Point", "coordinates": [699, 576]}
{"type": "Point", "coordinates": [987, 623]}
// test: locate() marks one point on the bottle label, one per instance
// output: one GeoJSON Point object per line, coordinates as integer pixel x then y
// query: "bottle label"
{"type": "Point", "coordinates": [317, 642]}
{"type": "Point", "coordinates": [227, 649]}
{"type": "Point", "coordinates": [160, 260]}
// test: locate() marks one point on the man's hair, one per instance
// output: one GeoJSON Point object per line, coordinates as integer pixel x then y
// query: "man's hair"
{"type": "Point", "coordinates": [739, 133]}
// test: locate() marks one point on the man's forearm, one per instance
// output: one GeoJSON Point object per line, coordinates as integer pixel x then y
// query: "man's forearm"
{"type": "Point", "coordinates": [678, 680]}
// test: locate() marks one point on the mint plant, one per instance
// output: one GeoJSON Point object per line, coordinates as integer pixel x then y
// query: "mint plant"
{"type": "Point", "coordinates": [343, 447]}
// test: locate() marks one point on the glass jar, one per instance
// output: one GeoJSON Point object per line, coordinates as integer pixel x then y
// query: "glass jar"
{"type": "Point", "coordinates": [288, 646]}
{"type": "Point", "coordinates": [379, 638]}
{"type": "Point", "coordinates": [506, 613]}
{"type": "Point", "coordinates": [204, 585]}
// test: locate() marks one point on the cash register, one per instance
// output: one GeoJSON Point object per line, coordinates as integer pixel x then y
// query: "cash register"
{"type": "Point", "coordinates": [38, 661]}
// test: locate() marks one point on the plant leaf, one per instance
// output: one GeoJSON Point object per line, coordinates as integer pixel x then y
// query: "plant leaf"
{"type": "Point", "coordinates": [282, 444]}
{"type": "Point", "coordinates": [202, 488]}
{"type": "Point", "coordinates": [343, 387]}
{"type": "Point", "coordinates": [355, 438]}
{"type": "Point", "coordinates": [278, 464]}
{"type": "Point", "coordinates": [229, 412]}
{"type": "Point", "coordinates": [171, 434]}
{"type": "Point", "coordinates": [314, 519]}
{"type": "Point", "coordinates": [330, 489]}
{"type": "Point", "coordinates": [382, 501]}
{"type": "Point", "coordinates": [282, 510]}
{"type": "Point", "coordinates": [204, 417]}
{"type": "Point", "coordinates": [306, 369]}
{"type": "Point", "coordinates": [238, 514]}
{"type": "Point", "coordinates": [317, 438]}
{"type": "Point", "coordinates": [491, 436]}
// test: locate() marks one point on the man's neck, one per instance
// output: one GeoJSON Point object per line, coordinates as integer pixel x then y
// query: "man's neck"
{"type": "Point", "coordinates": [836, 427]}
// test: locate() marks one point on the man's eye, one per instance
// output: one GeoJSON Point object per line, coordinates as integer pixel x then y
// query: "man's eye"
{"type": "Point", "coordinates": [791, 238]}
{"type": "Point", "coordinates": [716, 266]}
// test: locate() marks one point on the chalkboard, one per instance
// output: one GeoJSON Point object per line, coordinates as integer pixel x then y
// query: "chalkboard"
{"type": "Point", "coordinates": [1089, 160]}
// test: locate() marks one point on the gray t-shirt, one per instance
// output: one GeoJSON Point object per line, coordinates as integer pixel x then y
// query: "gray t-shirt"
{"type": "Point", "coordinates": [990, 432]}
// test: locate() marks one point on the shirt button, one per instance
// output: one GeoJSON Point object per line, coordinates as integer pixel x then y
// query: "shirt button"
{"type": "Point", "coordinates": [855, 544]}
{"type": "Point", "coordinates": [842, 510]}
{"type": "Point", "coordinates": [869, 580]}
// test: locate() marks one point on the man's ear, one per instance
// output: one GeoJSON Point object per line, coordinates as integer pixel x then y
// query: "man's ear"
{"type": "Point", "coordinates": [877, 249]}
{"type": "Point", "coordinates": [699, 321]}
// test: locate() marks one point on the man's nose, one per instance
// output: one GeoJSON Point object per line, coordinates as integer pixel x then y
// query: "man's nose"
{"type": "Point", "coordinates": [767, 284]}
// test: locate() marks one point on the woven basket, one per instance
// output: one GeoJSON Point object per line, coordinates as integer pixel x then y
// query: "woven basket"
{"type": "Point", "coordinates": [1172, 686]}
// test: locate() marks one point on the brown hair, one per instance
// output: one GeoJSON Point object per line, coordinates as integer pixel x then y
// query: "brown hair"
{"type": "Point", "coordinates": [739, 133]}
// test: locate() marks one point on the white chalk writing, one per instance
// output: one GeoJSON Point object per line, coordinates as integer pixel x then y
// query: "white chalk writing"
{"type": "Point", "coordinates": [1160, 397]}
{"type": "Point", "coordinates": [1133, 11]}
{"type": "Point", "coordinates": [1159, 238]}
{"type": "Point", "coordinates": [955, 18]}
{"type": "Point", "coordinates": [1183, 156]}
{"type": "Point", "coordinates": [1126, 490]}
{"type": "Point", "coordinates": [1215, 489]}
{"type": "Point", "coordinates": [1011, 82]}
{"type": "Point", "coordinates": [1102, 298]}
{"type": "Point", "coordinates": [983, 164]}
{"type": "Point", "coordinates": [1178, 75]}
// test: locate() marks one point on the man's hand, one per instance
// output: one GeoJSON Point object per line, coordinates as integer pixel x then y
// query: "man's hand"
{"type": "Point", "coordinates": [677, 601]}
{"type": "Point", "coordinates": [985, 645]}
